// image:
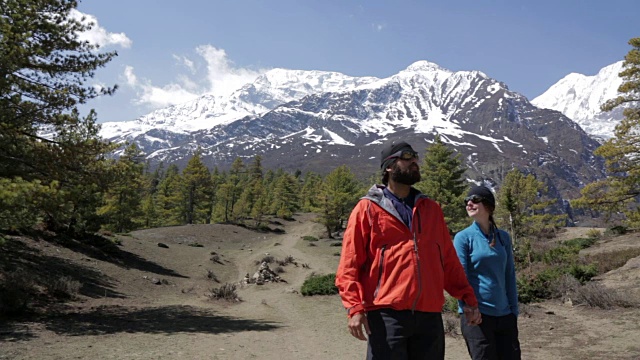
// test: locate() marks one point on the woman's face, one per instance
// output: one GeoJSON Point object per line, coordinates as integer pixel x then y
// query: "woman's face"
{"type": "Point", "coordinates": [477, 211]}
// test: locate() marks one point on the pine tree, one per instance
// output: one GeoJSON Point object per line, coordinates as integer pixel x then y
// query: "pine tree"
{"type": "Point", "coordinates": [442, 176]}
{"type": "Point", "coordinates": [169, 198]}
{"type": "Point", "coordinates": [196, 186]}
{"type": "Point", "coordinates": [522, 208]}
{"type": "Point", "coordinates": [338, 194]}
{"type": "Point", "coordinates": [621, 189]}
{"type": "Point", "coordinates": [122, 201]}
{"type": "Point", "coordinates": [285, 199]}
{"type": "Point", "coordinates": [43, 78]}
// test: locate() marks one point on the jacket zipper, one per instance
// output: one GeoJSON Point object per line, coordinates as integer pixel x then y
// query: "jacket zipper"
{"type": "Point", "coordinates": [380, 271]}
{"type": "Point", "coordinates": [415, 250]}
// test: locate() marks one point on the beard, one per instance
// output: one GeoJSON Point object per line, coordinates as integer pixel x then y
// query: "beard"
{"type": "Point", "coordinates": [407, 176]}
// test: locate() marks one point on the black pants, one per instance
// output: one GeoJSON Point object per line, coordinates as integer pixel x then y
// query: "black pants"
{"type": "Point", "coordinates": [404, 335]}
{"type": "Point", "coordinates": [495, 339]}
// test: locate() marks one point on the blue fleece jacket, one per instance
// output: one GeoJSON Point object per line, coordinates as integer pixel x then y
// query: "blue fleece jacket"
{"type": "Point", "coordinates": [490, 270]}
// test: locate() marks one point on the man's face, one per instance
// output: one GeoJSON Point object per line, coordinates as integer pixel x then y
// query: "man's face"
{"type": "Point", "coordinates": [405, 171]}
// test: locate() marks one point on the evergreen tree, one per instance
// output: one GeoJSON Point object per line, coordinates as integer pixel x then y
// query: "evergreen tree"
{"type": "Point", "coordinates": [122, 201]}
{"type": "Point", "coordinates": [169, 198]}
{"type": "Point", "coordinates": [285, 195]}
{"type": "Point", "coordinates": [196, 187]}
{"type": "Point", "coordinates": [621, 189]}
{"type": "Point", "coordinates": [309, 192]}
{"type": "Point", "coordinates": [522, 208]}
{"type": "Point", "coordinates": [443, 181]}
{"type": "Point", "coordinates": [338, 194]}
{"type": "Point", "coordinates": [43, 78]}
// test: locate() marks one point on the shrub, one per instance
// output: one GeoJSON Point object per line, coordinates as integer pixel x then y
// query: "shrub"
{"type": "Point", "coordinates": [594, 234]}
{"type": "Point", "coordinates": [450, 304]}
{"type": "Point", "coordinates": [309, 238]}
{"type": "Point", "coordinates": [310, 244]}
{"type": "Point", "coordinates": [615, 230]}
{"type": "Point", "coordinates": [16, 292]}
{"type": "Point", "coordinates": [608, 261]}
{"type": "Point", "coordinates": [561, 255]}
{"type": "Point", "coordinates": [451, 322]}
{"type": "Point", "coordinates": [580, 243]}
{"type": "Point", "coordinates": [596, 295]}
{"type": "Point", "coordinates": [279, 270]}
{"type": "Point", "coordinates": [225, 292]}
{"type": "Point", "coordinates": [583, 273]}
{"type": "Point", "coordinates": [319, 285]}
{"type": "Point", "coordinates": [539, 286]}
{"type": "Point", "coordinates": [64, 287]}
{"type": "Point", "coordinates": [335, 244]}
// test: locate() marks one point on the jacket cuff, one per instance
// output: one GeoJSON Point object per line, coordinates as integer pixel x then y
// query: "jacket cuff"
{"type": "Point", "coordinates": [355, 310]}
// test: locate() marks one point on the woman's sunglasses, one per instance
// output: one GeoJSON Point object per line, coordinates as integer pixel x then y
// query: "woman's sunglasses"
{"type": "Point", "coordinates": [404, 155]}
{"type": "Point", "coordinates": [476, 199]}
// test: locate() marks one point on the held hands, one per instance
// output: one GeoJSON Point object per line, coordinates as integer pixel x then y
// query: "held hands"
{"type": "Point", "coordinates": [472, 314]}
{"type": "Point", "coordinates": [355, 326]}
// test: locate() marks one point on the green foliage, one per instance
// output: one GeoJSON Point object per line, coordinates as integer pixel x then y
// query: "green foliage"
{"type": "Point", "coordinates": [580, 243]}
{"type": "Point", "coordinates": [338, 194]}
{"type": "Point", "coordinates": [620, 190]}
{"type": "Point", "coordinates": [309, 238]}
{"type": "Point", "coordinates": [583, 273]}
{"type": "Point", "coordinates": [195, 190]}
{"type": "Point", "coordinates": [442, 174]}
{"type": "Point", "coordinates": [539, 286]}
{"type": "Point", "coordinates": [594, 234]}
{"type": "Point", "coordinates": [319, 285]}
{"type": "Point", "coordinates": [523, 208]}
{"type": "Point", "coordinates": [44, 76]}
{"type": "Point", "coordinates": [450, 304]}
{"type": "Point", "coordinates": [123, 198]}
{"type": "Point", "coordinates": [615, 230]}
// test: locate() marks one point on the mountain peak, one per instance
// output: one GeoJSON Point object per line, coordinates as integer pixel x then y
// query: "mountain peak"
{"type": "Point", "coordinates": [424, 65]}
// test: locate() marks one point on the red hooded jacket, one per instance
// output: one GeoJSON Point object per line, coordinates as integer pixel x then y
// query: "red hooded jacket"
{"type": "Point", "coordinates": [385, 264]}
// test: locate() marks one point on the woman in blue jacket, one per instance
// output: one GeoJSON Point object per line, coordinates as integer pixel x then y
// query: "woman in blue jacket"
{"type": "Point", "coordinates": [486, 254]}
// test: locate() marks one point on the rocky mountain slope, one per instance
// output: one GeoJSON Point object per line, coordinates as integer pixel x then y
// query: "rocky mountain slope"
{"type": "Point", "coordinates": [311, 120]}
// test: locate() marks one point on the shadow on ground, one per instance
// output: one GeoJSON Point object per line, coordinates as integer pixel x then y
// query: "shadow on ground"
{"type": "Point", "coordinates": [44, 270]}
{"type": "Point", "coordinates": [161, 320]}
{"type": "Point", "coordinates": [101, 248]}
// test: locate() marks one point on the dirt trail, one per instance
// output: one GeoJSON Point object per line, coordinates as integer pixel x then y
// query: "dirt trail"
{"type": "Point", "coordinates": [123, 315]}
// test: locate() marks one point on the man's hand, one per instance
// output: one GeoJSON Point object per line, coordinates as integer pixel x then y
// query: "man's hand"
{"type": "Point", "coordinates": [472, 314]}
{"type": "Point", "coordinates": [355, 326]}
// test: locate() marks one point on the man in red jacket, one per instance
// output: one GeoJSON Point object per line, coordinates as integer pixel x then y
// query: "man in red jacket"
{"type": "Point", "coordinates": [397, 258]}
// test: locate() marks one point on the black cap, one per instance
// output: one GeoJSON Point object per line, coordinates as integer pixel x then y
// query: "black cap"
{"type": "Point", "coordinates": [485, 193]}
{"type": "Point", "coordinates": [390, 149]}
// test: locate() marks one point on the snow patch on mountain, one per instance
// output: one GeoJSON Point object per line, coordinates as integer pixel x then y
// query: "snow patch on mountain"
{"type": "Point", "coordinates": [579, 97]}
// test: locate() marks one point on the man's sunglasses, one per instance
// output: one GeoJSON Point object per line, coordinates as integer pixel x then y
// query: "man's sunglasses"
{"type": "Point", "coordinates": [476, 199]}
{"type": "Point", "coordinates": [404, 155]}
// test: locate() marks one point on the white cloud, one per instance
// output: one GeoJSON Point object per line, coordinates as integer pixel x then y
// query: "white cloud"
{"type": "Point", "coordinates": [186, 62]}
{"type": "Point", "coordinates": [98, 35]}
{"type": "Point", "coordinates": [157, 97]}
{"type": "Point", "coordinates": [221, 78]}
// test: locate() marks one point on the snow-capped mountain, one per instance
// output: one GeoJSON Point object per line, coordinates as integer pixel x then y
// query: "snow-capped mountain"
{"type": "Point", "coordinates": [579, 97]}
{"type": "Point", "coordinates": [269, 90]}
{"type": "Point", "coordinates": [312, 120]}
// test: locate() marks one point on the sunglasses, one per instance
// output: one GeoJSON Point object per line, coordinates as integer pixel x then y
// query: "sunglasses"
{"type": "Point", "coordinates": [404, 155]}
{"type": "Point", "coordinates": [476, 199]}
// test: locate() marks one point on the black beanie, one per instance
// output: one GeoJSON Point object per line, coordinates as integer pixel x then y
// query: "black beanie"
{"type": "Point", "coordinates": [390, 149]}
{"type": "Point", "coordinates": [485, 193]}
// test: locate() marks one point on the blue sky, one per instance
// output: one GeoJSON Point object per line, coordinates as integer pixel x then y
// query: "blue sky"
{"type": "Point", "coordinates": [173, 51]}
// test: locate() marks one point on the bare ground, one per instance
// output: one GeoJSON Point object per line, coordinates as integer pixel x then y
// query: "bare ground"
{"type": "Point", "coordinates": [121, 314]}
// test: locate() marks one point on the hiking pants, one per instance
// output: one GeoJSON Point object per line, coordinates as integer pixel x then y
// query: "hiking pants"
{"type": "Point", "coordinates": [404, 335]}
{"type": "Point", "coordinates": [495, 339]}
